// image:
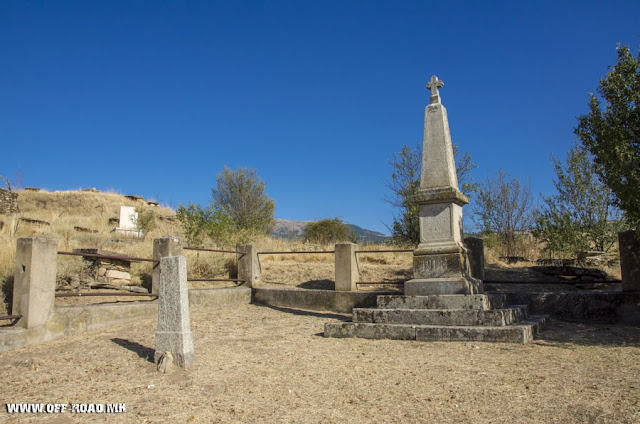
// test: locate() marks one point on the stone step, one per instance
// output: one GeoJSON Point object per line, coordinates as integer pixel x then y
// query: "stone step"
{"type": "Point", "coordinates": [442, 301]}
{"type": "Point", "coordinates": [455, 317]}
{"type": "Point", "coordinates": [522, 332]}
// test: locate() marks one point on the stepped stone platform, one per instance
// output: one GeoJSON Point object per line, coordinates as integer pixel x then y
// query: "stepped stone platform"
{"type": "Point", "coordinates": [477, 317]}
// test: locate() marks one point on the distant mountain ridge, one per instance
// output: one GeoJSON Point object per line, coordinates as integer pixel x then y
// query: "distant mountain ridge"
{"type": "Point", "coordinates": [290, 230]}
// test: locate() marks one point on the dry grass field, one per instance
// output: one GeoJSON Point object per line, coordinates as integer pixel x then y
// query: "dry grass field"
{"type": "Point", "coordinates": [260, 364]}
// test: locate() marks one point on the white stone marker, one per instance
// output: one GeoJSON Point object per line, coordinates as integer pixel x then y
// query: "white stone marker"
{"type": "Point", "coordinates": [440, 263]}
{"type": "Point", "coordinates": [174, 327]}
{"type": "Point", "coordinates": [128, 223]}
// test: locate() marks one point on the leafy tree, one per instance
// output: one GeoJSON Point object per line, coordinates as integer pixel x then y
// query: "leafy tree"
{"type": "Point", "coordinates": [194, 220]}
{"type": "Point", "coordinates": [146, 220]}
{"type": "Point", "coordinates": [405, 183]}
{"type": "Point", "coordinates": [582, 215]}
{"type": "Point", "coordinates": [240, 195]}
{"type": "Point", "coordinates": [504, 205]}
{"type": "Point", "coordinates": [327, 231]}
{"type": "Point", "coordinates": [612, 134]}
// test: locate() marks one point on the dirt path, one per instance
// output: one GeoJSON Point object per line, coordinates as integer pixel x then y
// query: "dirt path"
{"type": "Point", "coordinates": [260, 364]}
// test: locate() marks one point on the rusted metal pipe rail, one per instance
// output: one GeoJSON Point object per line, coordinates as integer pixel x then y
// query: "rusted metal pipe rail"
{"type": "Point", "coordinates": [5, 317]}
{"type": "Point", "coordinates": [384, 251]}
{"type": "Point", "coordinates": [216, 279]}
{"type": "Point", "coordinates": [305, 251]}
{"type": "Point", "coordinates": [97, 255]}
{"type": "Point", "coordinates": [214, 250]}
{"type": "Point", "coordinates": [104, 294]}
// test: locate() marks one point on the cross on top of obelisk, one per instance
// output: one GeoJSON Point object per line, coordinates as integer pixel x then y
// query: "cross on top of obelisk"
{"type": "Point", "coordinates": [433, 85]}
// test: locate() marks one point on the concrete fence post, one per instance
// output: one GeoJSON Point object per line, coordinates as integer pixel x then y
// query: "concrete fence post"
{"type": "Point", "coordinates": [249, 265]}
{"type": "Point", "coordinates": [475, 247]}
{"type": "Point", "coordinates": [629, 246]}
{"type": "Point", "coordinates": [162, 247]}
{"type": "Point", "coordinates": [34, 284]}
{"type": "Point", "coordinates": [346, 268]}
{"type": "Point", "coordinates": [174, 325]}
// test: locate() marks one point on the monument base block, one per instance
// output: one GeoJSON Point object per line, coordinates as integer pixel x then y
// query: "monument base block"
{"type": "Point", "coordinates": [427, 286]}
{"type": "Point", "coordinates": [180, 344]}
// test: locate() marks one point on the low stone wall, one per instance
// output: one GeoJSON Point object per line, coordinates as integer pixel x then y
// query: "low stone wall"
{"type": "Point", "coordinates": [605, 307]}
{"type": "Point", "coordinates": [70, 320]}
{"type": "Point", "coordinates": [8, 202]}
{"type": "Point", "coordinates": [315, 300]}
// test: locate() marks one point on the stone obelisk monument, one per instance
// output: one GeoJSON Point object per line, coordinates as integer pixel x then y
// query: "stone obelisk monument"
{"type": "Point", "coordinates": [440, 263]}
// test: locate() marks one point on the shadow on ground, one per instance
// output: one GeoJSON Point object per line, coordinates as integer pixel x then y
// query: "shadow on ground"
{"type": "Point", "coordinates": [563, 334]}
{"type": "Point", "coordinates": [327, 315]}
{"type": "Point", "coordinates": [140, 350]}
{"type": "Point", "coordinates": [318, 285]}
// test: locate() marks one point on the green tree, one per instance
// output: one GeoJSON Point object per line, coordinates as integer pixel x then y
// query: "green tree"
{"type": "Point", "coordinates": [504, 205]}
{"type": "Point", "coordinates": [194, 221]}
{"type": "Point", "coordinates": [405, 183]}
{"type": "Point", "coordinates": [582, 215]}
{"type": "Point", "coordinates": [612, 134]}
{"type": "Point", "coordinates": [240, 195]}
{"type": "Point", "coordinates": [327, 231]}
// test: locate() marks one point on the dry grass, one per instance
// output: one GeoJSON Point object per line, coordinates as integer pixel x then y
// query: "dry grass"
{"type": "Point", "coordinates": [259, 364]}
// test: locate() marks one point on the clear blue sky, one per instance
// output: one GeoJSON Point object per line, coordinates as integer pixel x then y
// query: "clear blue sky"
{"type": "Point", "coordinates": [154, 98]}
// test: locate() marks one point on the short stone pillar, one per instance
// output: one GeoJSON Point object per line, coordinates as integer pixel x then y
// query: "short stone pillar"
{"type": "Point", "coordinates": [174, 327]}
{"type": "Point", "coordinates": [629, 246]}
{"type": "Point", "coordinates": [162, 247]}
{"type": "Point", "coordinates": [34, 284]}
{"type": "Point", "coordinates": [346, 272]}
{"type": "Point", "coordinates": [249, 265]}
{"type": "Point", "coordinates": [475, 249]}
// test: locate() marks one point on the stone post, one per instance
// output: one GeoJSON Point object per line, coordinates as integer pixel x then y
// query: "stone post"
{"type": "Point", "coordinates": [440, 263]}
{"type": "Point", "coordinates": [346, 271]}
{"type": "Point", "coordinates": [163, 246]}
{"type": "Point", "coordinates": [475, 247]}
{"type": "Point", "coordinates": [629, 246]}
{"type": "Point", "coordinates": [34, 284]}
{"type": "Point", "coordinates": [249, 265]}
{"type": "Point", "coordinates": [174, 327]}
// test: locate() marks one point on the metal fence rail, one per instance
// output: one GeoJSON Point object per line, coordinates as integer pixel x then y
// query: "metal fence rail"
{"type": "Point", "coordinates": [104, 294]}
{"type": "Point", "coordinates": [202, 249]}
{"type": "Point", "coordinates": [216, 279]}
{"type": "Point", "coordinates": [7, 317]}
{"type": "Point", "coordinates": [384, 251]}
{"type": "Point", "coordinates": [296, 252]}
{"type": "Point", "coordinates": [98, 255]}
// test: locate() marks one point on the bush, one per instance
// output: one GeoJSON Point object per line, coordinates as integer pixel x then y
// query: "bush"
{"type": "Point", "coordinates": [327, 231]}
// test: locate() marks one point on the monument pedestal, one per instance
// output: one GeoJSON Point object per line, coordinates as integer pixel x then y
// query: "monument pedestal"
{"type": "Point", "coordinates": [442, 301]}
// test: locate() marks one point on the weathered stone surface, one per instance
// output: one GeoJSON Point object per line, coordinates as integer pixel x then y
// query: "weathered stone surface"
{"type": "Point", "coordinates": [118, 275]}
{"type": "Point", "coordinates": [346, 267]}
{"type": "Point", "coordinates": [370, 331]}
{"type": "Point", "coordinates": [517, 333]}
{"type": "Point", "coordinates": [162, 247]}
{"type": "Point", "coordinates": [174, 326]}
{"type": "Point", "coordinates": [441, 254]}
{"type": "Point", "coordinates": [165, 363]}
{"type": "Point", "coordinates": [34, 280]}
{"type": "Point", "coordinates": [629, 243]}
{"type": "Point", "coordinates": [249, 265]}
{"type": "Point", "coordinates": [453, 317]}
{"type": "Point", "coordinates": [8, 202]}
{"type": "Point", "coordinates": [429, 286]}
{"type": "Point", "coordinates": [476, 301]}
{"type": "Point", "coordinates": [475, 251]}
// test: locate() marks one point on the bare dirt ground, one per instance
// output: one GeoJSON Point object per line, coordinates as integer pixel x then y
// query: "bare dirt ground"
{"type": "Point", "coordinates": [261, 364]}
